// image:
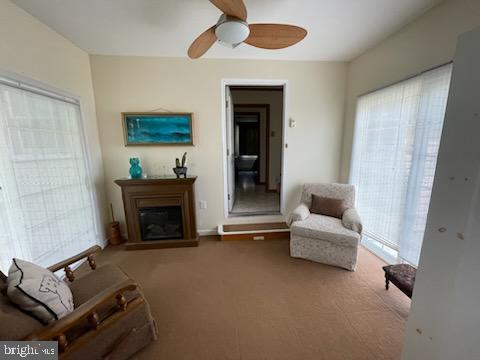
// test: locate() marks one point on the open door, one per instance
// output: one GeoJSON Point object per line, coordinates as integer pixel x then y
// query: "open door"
{"type": "Point", "coordinates": [230, 150]}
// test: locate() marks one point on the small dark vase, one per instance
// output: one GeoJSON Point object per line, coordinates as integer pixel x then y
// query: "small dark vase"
{"type": "Point", "coordinates": [179, 171]}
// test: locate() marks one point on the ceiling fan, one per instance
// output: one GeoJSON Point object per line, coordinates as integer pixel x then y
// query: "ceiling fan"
{"type": "Point", "coordinates": [232, 29]}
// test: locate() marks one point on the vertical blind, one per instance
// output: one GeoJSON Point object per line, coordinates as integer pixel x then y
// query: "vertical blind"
{"type": "Point", "coordinates": [47, 204]}
{"type": "Point", "coordinates": [395, 147]}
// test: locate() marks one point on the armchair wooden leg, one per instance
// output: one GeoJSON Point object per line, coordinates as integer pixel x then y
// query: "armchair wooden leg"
{"type": "Point", "coordinates": [91, 262]}
{"type": "Point", "coordinates": [121, 302]}
{"type": "Point", "coordinates": [387, 282]}
{"type": "Point", "coordinates": [69, 274]}
{"type": "Point", "coordinates": [62, 343]}
{"type": "Point", "coordinates": [94, 320]}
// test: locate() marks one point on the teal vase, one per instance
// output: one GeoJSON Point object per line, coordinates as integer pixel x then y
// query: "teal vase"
{"type": "Point", "coordinates": [135, 169]}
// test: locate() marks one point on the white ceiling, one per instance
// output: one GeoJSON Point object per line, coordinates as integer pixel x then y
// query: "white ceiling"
{"type": "Point", "coordinates": [339, 30]}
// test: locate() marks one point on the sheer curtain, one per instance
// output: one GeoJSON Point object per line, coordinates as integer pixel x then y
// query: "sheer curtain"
{"type": "Point", "coordinates": [397, 135]}
{"type": "Point", "coordinates": [47, 204]}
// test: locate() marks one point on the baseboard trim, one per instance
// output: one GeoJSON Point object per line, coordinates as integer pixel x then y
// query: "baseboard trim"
{"type": "Point", "coordinates": [202, 232]}
{"type": "Point", "coordinates": [257, 236]}
{"type": "Point", "coordinates": [206, 232]}
{"type": "Point", "coordinates": [255, 232]}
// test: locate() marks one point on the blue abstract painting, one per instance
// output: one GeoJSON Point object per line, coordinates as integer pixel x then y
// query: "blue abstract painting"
{"type": "Point", "coordinates": [158, 129]}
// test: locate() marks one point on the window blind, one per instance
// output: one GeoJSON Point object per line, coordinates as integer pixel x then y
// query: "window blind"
{"type": "Point", "coordinates": [395, 147]}
{"type": "Point", "coordinates": [47, 202]}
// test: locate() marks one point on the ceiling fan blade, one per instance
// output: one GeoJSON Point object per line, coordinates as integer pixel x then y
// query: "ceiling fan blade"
{"type": "Point", "coordinates": [274, 36]}
{"type": "Point", "coordinates": [202, 43]}
{"type": "Point", "coordinates": [234, 8]}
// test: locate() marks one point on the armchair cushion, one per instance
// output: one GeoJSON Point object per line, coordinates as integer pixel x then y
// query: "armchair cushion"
{"type": "Point", "coordinates": [351, 220]}
{"type": "Point", "coordinates": [93, 282]}
{"type": "Point", "coordinates": [325, 228]}
{"type": "Point", "coordinates": [38, 291]}
{"type": "Point", "coordinates": [300, 213]}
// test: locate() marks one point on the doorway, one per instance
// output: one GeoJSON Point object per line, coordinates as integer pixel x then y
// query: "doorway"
{"type": "Point", "coordinates": [254, 149]}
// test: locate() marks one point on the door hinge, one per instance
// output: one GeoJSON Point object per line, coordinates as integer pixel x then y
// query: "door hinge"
{"type": "Point", "coordinates": [228, 196]}
{"type": "Point", "coordinates": [228, 152]}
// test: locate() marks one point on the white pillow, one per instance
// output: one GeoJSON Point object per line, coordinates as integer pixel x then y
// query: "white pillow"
{"type": "Point", "coordinates": [38, 291]}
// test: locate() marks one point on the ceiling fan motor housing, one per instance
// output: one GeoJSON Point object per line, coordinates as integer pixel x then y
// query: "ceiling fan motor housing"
{"type": "Point", "coordinates": [231, 31]}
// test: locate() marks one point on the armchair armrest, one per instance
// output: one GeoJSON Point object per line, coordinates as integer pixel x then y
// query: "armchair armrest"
{"type": "Point", "coordinates": [86, 311]}
{"type": "Point", "coordinates": [65, 264]}
{"type": "Point", "coordinates": [300, 213]}
{"type": "Point", "coordinates": [351, 220]}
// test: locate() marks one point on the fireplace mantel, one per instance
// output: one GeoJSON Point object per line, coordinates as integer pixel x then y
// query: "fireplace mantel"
{"type": "Point", "coordinates": [142, 196]}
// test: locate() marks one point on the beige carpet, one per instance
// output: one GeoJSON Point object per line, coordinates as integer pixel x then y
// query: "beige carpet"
{"type": "Point", "coordinates": [250, 300]}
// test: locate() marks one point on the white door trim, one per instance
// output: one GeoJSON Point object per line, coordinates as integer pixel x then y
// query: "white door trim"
{"type": "Point", "coordinates": [253, 82]}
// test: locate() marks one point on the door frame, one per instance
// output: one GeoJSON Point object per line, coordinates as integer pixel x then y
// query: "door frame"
{"type": "Point", "coordinates": [258, 83]}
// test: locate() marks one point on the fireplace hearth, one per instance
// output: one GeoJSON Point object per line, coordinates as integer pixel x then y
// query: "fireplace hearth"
{"type": "Point", "coordinates": [159, 212]}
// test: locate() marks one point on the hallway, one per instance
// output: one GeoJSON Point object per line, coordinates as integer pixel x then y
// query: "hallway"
{"type": "Point", "coordinates": [251, 198]}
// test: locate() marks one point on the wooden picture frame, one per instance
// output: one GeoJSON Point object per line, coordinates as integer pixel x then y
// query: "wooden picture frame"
{"type": "Point", "coordinates": [158, 129]}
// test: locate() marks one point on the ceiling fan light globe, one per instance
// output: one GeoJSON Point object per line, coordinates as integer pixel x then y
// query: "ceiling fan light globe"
{"type": "Point", "coordinates": [228, 45]}
{"type": "Point", "coordinates": [232, 32]}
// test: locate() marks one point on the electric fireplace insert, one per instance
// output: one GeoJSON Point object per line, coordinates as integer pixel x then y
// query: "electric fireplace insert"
{"type": "Point", "coordinates": [161, 223]}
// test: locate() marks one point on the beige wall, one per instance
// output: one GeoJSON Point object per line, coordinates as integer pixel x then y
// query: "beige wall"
{"type": "Point", "coordinates": [316, 97]}
{"type": "Point", "coordinates": [427, 42]}
{"type": "Point", "coordinates": [316, 102]}
{"type": "Point", "coordinates": [275, 100]}
{"type": "Point", "coordinates": [32, 50]}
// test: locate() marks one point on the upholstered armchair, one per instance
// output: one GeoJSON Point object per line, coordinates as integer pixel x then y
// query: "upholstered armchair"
{"type": "Point", "coordinates": [326, 239]}
{"type": "Point", "coordinates": [111, 319]}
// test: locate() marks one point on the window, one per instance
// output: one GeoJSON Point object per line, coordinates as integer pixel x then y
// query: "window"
{"type": "Point", "coordinates": [395, 147]}
{"type": "Point", "coordinates": [47, 201]}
